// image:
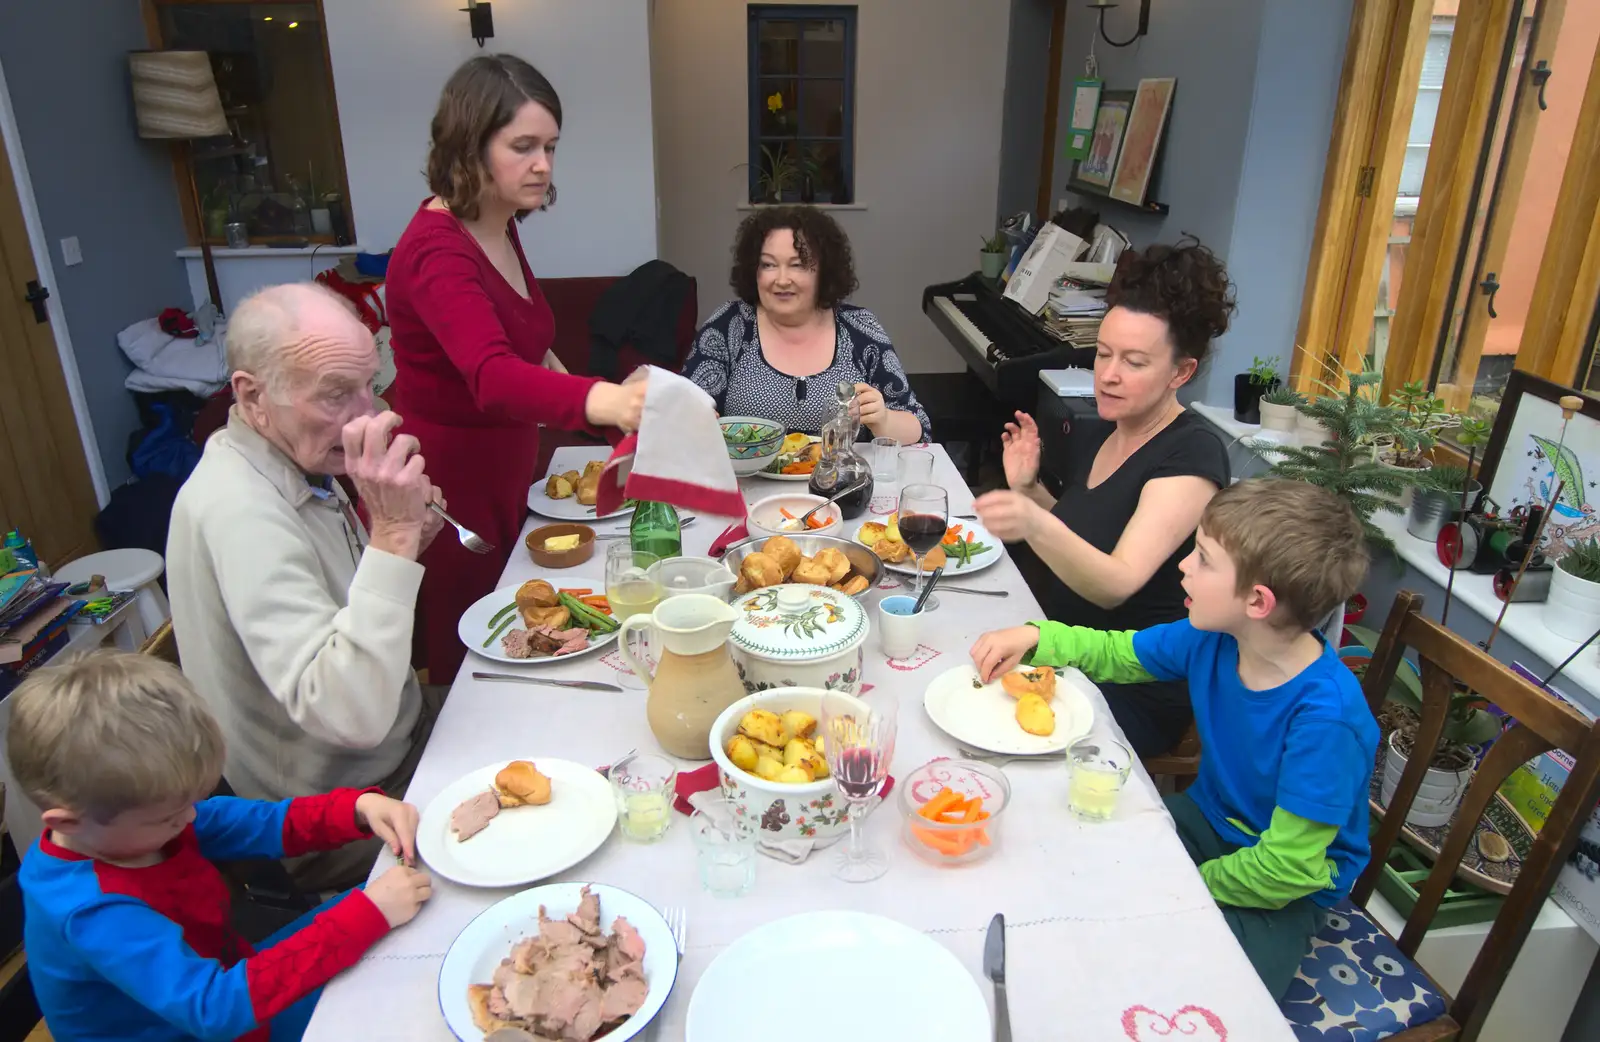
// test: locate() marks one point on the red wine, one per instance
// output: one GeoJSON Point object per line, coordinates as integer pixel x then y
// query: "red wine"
{"type": "Point", "coordinates": [851, 504]}
{"type": "Point", "coordinates": [858, 773]}
{"type": "Point", "coordinates": [922, 532]}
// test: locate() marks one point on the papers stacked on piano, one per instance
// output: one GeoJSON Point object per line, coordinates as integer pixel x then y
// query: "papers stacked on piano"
{"type": "Point", "coordinates": [1073, 312]}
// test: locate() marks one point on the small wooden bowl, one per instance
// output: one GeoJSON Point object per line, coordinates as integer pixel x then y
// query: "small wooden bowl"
{"type": "Point", "coordinates": [561, 558]}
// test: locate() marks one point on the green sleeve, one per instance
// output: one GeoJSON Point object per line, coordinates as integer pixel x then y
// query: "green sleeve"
{"type": "Point", "coordinates": [1104, 656]}
{"type": "Point", "coordinates": [1288, 862]}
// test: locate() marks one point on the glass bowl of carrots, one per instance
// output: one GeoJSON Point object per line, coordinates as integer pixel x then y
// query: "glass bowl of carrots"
{"type": "Point", "coordinates": [951, 810]}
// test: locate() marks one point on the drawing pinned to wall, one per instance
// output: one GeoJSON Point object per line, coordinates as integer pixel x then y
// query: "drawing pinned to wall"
{"type": "Point", "coordinates": [1095, 170]}
{"type": "Point", "coordinates": [1526, 458]}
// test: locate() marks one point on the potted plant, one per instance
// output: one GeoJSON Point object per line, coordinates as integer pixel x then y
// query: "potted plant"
{"type": "Point", "coordinates": [780, 172]}
{"type": "Point", "coordinates": [1423, 417]}
{"type": "Point", "coordinates": [992, 257]}
{"type": "Point", "coordinates": [1249, 386]}
{"type": "Point", "coordinates": [1573, 608]}
{"type": "Point", "coordinates": [1443, 493]}
{"type": "Point", "coordinates": [1280, 409]}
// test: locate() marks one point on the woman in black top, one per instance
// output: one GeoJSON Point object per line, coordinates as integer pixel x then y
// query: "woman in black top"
{"type": "Point", "coordinates": [1139, 479]}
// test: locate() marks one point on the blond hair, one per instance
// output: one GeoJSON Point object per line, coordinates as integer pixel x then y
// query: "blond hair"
{"type": "Point", "coordinates": [270, 320]}
{"type": "Point", "coordinates": [111, 732]}
{"type": "Point", "coordinates": [1302, 542]}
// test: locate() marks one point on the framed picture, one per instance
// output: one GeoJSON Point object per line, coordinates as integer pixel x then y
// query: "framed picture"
{"type": "Point", "coordinates": [1142, 142]}
{"type": "Point", "coordinates": [1526, 456]}
{"type": "Point", "coordinates": [1094, 171]}
{"type": "Point", "coordinates": [1081, 119]}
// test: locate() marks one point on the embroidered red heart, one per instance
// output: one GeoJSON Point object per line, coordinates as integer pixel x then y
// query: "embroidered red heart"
{"type": "Point", "coordinates": [1143, 1024]}
{"type": "Point", "coordinates": [919, 658]}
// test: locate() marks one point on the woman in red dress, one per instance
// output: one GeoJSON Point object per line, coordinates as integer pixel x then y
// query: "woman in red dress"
{"type": "Point", "coordinates": [475, 377]}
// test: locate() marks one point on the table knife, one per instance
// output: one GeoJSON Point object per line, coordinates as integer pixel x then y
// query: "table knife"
{"type": "Point", "coordinates": [583, 685]}
{"type": "Point", "coordinates": [994, 967]}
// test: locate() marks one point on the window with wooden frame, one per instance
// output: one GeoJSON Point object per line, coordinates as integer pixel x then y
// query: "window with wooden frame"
{"type": "Point", "coordinates": [280, 169]}
{"type": "Point", "coordinates": [1459, 229]}
{"type": "Point", "coordinates": [802, 103]}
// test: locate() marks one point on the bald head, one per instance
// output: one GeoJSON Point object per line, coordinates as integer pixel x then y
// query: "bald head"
{"type": "Point", "coordinates": [273, 334]}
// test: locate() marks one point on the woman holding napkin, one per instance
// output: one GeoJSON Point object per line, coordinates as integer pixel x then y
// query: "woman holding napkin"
{"type": "Point", "coordinates": [475, 374]}
{"type": "Point", "coordinates": [779, 349]}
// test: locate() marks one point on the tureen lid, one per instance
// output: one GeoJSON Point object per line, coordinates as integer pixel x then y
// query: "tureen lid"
{"type": "Point", "coordinates": [796, 622]}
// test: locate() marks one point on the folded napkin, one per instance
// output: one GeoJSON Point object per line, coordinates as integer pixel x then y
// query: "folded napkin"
{"type": "Point", "coordinates": [677, 456]}
{"type": "Point", "coordinates": [730, 535]}
{"type": "Point", "coordinates": [699, 790]}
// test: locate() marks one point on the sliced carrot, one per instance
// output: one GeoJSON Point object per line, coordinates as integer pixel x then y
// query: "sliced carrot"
{"type": "Point", "coordinates": [598, 602]}
{"type": "Point", "coordinates": [974, 808]}
{"type": "Point", "coordinates": [587, 590]}
{"type": "Point", "coordinates": [785, 512]}
{"type": "Point", "coordinates": [981, 835]}
{"type": "Point", "coordinates": [949, 845]}
{"type": "Point", "coordinates": [940, 803]}
{"type": "Point", "coordinates": [969, 537]}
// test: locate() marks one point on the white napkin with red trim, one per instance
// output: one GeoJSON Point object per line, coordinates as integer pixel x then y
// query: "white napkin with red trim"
{"type": "Point", "coordinates": [677, 456]}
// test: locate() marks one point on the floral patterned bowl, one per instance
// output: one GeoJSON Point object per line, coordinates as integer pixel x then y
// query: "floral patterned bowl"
{"type": "Point", "coordinates": [814, 811]}
{"type": "Point", "coordinates": [752, 442]}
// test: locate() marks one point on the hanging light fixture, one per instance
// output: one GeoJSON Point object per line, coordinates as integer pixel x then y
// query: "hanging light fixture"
{"type": "Point", "coordinates": [480, 21]}
{"type": "Point", "coordinates": [1102, 6]}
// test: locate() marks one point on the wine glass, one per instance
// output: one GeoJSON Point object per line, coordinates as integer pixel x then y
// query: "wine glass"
{"type": "Point", "coordinates": [631, 589]}
{"type": "Point", "coordinates": [923, 519]}
{"type": "Point", "coordinates": [859, 746]}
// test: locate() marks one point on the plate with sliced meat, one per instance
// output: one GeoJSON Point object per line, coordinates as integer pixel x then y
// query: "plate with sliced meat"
{"type": "Point", "coordinates": [516, 822]}
{"type": "Point", "coordinates": [541, 621]}
{"type": "Point", "coordinates": [560, 961]}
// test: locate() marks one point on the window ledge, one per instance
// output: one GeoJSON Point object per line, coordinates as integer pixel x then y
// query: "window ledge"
{"type": "Point", "coordinates": [224, 253]}
{"type": "Point", "coordinates": [819, 206]}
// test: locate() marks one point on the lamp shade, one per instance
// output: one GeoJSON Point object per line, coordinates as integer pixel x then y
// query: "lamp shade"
{"type": "Point", "coordinates": [175, 95]}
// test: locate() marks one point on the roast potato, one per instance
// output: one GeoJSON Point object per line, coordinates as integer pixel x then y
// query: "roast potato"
{"type": "Point", "coordinates": [1035, 715]}
{"type": "Point", "coordinates": [589, 489]}
{"type": "Point", "coordinates": [742, 751]}
{"type": "Point", "coordinates": [558, 487]}
{"type": "Point", "coordinates": [769, 769]}
{"type": "Point", "coordinates": [797, 724]}
{"type": "Point", "coordinates": [763, 726]}
{"type": "Point", "coordinates": [593, 468]}
{"type": "Point", "coordinates": [1022, 682]}
{"type": "Point", "coordinates": [871, 532]}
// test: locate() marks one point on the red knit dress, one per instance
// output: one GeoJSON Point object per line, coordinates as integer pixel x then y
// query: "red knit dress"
{"type": "Point", "coordinates": [469, 385]}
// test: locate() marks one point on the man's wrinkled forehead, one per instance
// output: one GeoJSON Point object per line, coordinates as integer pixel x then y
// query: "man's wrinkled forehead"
{"type": "Point", "coordinates": [329, 347]}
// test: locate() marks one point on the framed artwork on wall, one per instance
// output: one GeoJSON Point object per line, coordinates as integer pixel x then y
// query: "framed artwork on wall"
{"type": "Point", "coordinates": [1093, 173]}
{"type": "Point", "coordinates": [1526, 456]}
{"type": "Point", "coordinates": [1141, 143]}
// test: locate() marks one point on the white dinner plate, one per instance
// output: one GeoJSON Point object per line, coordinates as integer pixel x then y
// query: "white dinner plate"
{"type": "Point", "coordinates": [774, 476]}
{"type": "Point", "coordinates": [985, 717]}
{"type": "Point", "coordinates": [478, 949]}
{"type": "Point", "coordinates": [521, 844]}
{"type": "Point", "coordinates": [568, 509]}
{"type": "Point", "coordinates": [954, 567]}
{"type": "Point", "coordinates": [474, 629]}
{"type": "Point", "coordinates": [901, 983]}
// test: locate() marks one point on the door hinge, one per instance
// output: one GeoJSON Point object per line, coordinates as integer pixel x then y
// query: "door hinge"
{"type": "Point", "coordinates": [1364, 181]}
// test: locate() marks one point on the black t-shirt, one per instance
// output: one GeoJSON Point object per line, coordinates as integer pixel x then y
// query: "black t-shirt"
{"type": "Point", "coordinates": [1186, 446]}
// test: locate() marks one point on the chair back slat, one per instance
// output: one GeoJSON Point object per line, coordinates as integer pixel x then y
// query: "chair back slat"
{"type": "Point", "coordinates": [1543, 722]}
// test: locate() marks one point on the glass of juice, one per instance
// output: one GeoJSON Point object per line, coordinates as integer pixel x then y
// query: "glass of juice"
{"type": "Point", "coordinates": [644, 787]}
{"type": "Point", "coordinates": [1098, 768]}
{"type": "Point", "coordinates": [631, 589]}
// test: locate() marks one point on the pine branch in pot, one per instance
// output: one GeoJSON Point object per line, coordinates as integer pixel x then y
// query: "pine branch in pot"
{"type": "Point", "coordinates": [1280, 409]}
{"type": "Point", "coordinates": [1573, 608]}
{"type": "Point", "coordinates": [1421, 417]}
{"type": "Point", "coordinates": [1249, 386]}
{"type": "Point", "coordinates": [992, 258]}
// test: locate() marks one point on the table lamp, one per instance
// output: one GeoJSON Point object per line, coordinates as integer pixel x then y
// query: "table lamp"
{"type": "Point", "coordinates": [175, 98]}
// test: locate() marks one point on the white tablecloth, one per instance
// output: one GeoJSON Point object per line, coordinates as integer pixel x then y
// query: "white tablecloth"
{"type": "Point", "coordinates": [1110, 930]}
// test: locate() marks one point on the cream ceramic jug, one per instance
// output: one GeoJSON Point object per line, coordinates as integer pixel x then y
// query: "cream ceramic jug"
{"type": "Point", "coordinates": [696, 679]}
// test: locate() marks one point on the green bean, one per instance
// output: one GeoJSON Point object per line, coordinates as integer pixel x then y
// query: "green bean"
{"type": "Point", "coordinates": [588, 617]}
{"type": "Point", "coordinates": [501, 614]}
{"type": "Point", "coordinates": [496, 634]}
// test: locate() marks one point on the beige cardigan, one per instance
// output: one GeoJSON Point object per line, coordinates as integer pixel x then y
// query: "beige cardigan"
{"type": "Point", "coordinates": [297, 633]}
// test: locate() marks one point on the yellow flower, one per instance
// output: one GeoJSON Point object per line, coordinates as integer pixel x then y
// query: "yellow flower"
{"type": "Point", "coordinates": [775, 102]}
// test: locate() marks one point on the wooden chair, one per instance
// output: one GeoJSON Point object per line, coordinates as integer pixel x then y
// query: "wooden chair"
{"type": "Point", "coordinates": [163, 644]}
{"type": "Point", "coordinates": [1181, 763]}
{"type": "Point", "coordinates": [1352, 961]}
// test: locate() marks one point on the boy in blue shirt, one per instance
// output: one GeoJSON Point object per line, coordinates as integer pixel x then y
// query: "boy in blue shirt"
{"type": "Point", "coordinates": [1277, 819]}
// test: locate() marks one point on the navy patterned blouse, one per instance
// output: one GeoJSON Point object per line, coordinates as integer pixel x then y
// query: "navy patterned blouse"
{"type": "Point", "coordinates": [728, 364]}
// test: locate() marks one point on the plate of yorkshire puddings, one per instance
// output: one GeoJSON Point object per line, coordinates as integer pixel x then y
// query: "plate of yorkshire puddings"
{"type": "Point", "coordinates": [570, 495]}
{"type": "Point", "coordinates": [540, 621]}
{"type": "Point", "coordinates": [818, 560]}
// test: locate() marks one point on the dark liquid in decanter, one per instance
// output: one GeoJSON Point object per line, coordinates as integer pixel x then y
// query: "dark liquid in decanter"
{"type": "Point", "coordinates": [851, 505]}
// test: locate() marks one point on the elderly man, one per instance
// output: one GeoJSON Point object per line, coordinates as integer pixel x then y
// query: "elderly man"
{"type": "Point", "coordinates": [292, 620]}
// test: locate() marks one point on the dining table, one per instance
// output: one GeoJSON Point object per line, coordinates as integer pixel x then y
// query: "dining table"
{"type": "Point", "coordinates": [1110, 931]}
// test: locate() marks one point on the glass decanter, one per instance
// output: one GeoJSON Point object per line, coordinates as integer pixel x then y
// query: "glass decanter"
{"type": "Point", "coordinates": [841, 466]}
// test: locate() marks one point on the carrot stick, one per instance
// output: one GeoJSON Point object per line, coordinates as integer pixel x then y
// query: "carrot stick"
{"type": "Point", "coordinates": [981, 835]}
{"type": "Point", "coordinates": [940, 803]}
{"type": "Point", "coordinates": [950, 846]}
{"type": "Point", "coordinates": [784, 511]}
{"type": "Point", "coordinates": [586, 591]}
{"type": "Point", "coordinates": [974, 808]}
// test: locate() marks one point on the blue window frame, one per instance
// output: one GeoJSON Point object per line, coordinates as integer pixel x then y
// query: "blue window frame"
{"type": "Point", "coordinates": [802, 103]}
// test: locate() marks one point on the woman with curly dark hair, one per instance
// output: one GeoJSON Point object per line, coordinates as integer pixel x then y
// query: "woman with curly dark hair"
{"type": "Point", "coordinates": [1138, 482]}
{"type": "Point", "coordinates": [778, 350]}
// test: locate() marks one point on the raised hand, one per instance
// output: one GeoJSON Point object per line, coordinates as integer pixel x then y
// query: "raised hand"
{"type": "Point", "coordinates": [391, 478]}
{"type": "Point", "coordinates": [1021, 455]}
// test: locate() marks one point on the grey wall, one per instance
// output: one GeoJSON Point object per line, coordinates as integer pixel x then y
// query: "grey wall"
{"type": "Point", "coordinates": [1022, 119]}
{"type": "Point", "coordinates": [66, 66]}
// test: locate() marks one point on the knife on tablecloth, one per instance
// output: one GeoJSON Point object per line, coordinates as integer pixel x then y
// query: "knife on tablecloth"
{"type": "Point", "coordinates": [584, 685]}
{"type": "Point", "coordinates": [994, 967]}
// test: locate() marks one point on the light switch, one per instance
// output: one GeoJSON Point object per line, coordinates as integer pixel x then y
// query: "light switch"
{"type": "Point", "coordinates": [71, 252]}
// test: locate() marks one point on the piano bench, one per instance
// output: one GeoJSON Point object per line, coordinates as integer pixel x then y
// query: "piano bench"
{"type": "Point", "coordinates": [961, 410]}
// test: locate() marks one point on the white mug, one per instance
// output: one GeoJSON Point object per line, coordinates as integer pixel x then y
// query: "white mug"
{"type": "Point", "coordinates": [897, 633]}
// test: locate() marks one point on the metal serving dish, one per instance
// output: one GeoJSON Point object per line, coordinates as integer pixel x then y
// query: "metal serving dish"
{"type": "Point", "coordinates": [862, 560]}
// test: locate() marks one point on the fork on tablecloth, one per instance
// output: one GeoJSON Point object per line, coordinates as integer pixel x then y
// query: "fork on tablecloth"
{"type": "Point", "coordinates": [678, 924]}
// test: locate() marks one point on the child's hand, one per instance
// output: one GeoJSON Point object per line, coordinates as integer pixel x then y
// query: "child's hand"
{"type": "Point", "coordinates": [1001, 651]}
{"type": "Point", "coordinates": [398, 893]}
{"type": "Point", "coordinates": [391, 821]}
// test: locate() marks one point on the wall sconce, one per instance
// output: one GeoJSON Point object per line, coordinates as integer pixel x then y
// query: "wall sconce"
{"type": "Point", "coordinates": [1103, 6]}
{"type": "Point", "coordinates": [480, 21]}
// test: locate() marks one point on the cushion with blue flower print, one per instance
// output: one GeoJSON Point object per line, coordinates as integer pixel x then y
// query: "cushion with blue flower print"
{"type": "Point", "coordinates": [1354, 985]}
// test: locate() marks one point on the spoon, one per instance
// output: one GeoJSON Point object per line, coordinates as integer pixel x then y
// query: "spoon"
{"type": "Point", "coordinates": [805, 518]}
{"type": "Point", "coordinates": [469, 539]}
{"type": "Point", "coordinates": [927, 589]}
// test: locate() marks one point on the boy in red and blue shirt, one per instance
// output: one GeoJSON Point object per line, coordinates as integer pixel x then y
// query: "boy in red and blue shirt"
{"type": "Point", "coordinates": [126, 919]}
{"type": "Point", "coordinates": [1277, 819]}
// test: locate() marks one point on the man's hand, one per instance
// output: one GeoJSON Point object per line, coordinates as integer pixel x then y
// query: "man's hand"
{"type": "Point", "coordinates": [391, 479]}
{"type": "Point", "coordinates": [998, 652]}
{"type": "Point", "coordinates": [1021, 454]}
{"type": "Point", "coordinates": [399, 893]}
{"type": "Point", "coordinates": [391, 821]}
{"type": "Point", "coordinates": [1011, 516]}
{"type": "Point", "coordinates": [874, 410]}
{"type": "Point", "coordinates": [431, 521]}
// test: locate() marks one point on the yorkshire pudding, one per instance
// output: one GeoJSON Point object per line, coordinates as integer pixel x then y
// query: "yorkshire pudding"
{"type": "Point", "coordinates": [536, 593]}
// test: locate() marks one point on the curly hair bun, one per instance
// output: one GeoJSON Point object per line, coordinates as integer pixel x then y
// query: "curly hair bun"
{"type": "Point", "coordinates": [1185, 285]}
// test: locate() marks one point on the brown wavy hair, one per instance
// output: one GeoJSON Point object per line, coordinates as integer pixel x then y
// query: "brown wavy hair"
{"type": "Point", "coordinates": [818, 239]}
{"type": "Point", "coordinates": [478, 100]}
{"type": "Point", "coordinates": [1185, 285]}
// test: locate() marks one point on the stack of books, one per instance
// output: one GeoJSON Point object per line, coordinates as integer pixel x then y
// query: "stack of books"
{"type": "Point", "coordinates": [33, 623]}
{"type": "Point", "coordinates": [1074, 310]}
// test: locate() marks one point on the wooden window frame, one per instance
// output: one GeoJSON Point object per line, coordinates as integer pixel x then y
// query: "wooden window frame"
{"type": "Point", "coordinates": [758, 13]}
{"type": "Point", "coordinates": [180, 173]}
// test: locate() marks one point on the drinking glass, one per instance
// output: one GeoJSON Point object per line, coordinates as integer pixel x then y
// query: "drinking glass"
{"type": "Point", "coordinates": [859, 747]}
{"type": "Point", "coordinates": [885, 458]}
{"type": "Point", "coordinates": [923, 519]}
{"type": "Point", "coordinates": [916, 467]}
{"type": "Point", "coordinates": [725, 847]}
{"type": "Point", "coordinates": [632, 589]}
{"type": "Point", "coordinates": [1099, 767]}
{"type": "Point", "coordinates": [644, 787]}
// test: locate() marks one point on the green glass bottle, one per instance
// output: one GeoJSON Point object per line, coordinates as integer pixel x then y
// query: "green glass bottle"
{"type": "Point", "coordinates": [655, 529]}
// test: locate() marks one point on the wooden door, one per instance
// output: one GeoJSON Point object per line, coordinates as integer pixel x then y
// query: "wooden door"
{"type": "Point", "coordinates": [45, 487]}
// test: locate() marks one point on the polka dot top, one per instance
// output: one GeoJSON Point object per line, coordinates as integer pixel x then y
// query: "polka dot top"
{"type": "Point", "coordinates": [728, 364]}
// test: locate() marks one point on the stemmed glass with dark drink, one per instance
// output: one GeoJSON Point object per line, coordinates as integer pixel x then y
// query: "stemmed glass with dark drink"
{"type": "Point", "coordinates": [859, 745]}
{"type": "Point", "coordinates": [923, 520]}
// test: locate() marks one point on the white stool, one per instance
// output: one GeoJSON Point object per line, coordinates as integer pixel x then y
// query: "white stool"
{"type": "Point", "coordinates": [135, 570]}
